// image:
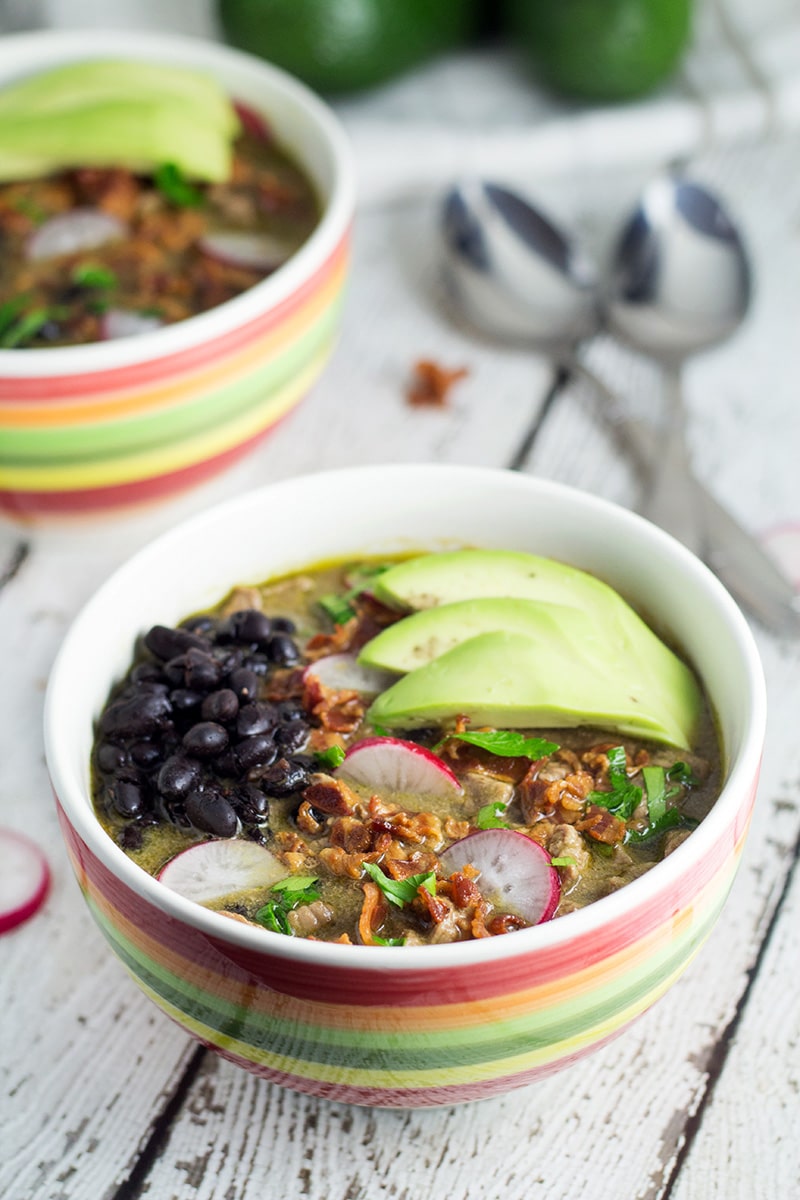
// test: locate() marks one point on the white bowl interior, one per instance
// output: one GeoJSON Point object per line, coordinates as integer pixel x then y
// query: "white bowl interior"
{"type": "Point", "coordinates": [287, 526]}
{"type": "Point", "coordinates": [302, 123]}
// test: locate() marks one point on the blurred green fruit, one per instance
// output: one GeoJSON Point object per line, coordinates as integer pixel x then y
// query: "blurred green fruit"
{"type": "Point", "coordinates": [342, 45]}
{"type": "Point", "coordinates": [601, 49]}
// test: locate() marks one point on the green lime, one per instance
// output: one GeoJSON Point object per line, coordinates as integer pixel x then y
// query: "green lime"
{"type": "Point", "coordinates": [601, 49]}
{"type": "Point", "coordinates": [341, 45]}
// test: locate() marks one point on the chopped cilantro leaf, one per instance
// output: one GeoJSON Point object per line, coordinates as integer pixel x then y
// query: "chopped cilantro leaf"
{"type": "Point", "coordinates": [489, 817]}
{"type": "Point", "coordinates": [25, 327]}
{"type": "Point", "coordinates": [401, 891]}
{"type": "Point", "coordinates": [331, 758]}
{"type": "Point", "coordinates": [660, 818]}
{"type": "Point", "coordinates": [379, 941]}
{"type": "Point", "coordinates": [93, 275]}
{"type": "Point", "coordinates": [10, 310]}
{"type": "Point", "coordinates": [565, 861]}
{"type": "Point", "coordinates": [380, 731]}
{"type": "Point", "coordinates": [508, 744]}
{"type": "Point", "coordinates": [170, 181]}
{"type": "Point", "coordinates": [337, 608]}
{"type": "Point", "coordinates": [681, 773]}
{"type": "Point", "coordinates": [292, 892]}
{"type": "Point", "coordinates": [624, 796]}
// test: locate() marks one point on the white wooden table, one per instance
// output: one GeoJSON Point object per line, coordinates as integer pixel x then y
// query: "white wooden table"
{"type": "Point", "coordinates": [102, 1098]}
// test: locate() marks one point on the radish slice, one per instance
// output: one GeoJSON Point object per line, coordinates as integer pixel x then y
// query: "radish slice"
{"type": "Point", "coordinates": [389, 764]}
{"type": "Point", "coordinates": [24, 879]}
{"type": "Point", "coordinates": [253, 122]}
{"type": "Point", "coordinates": [119, 323]}
{"type": "Point", "coordinates": [211, 870]}
{"type": "Point", "coordinates": [259, 251]}
{"type": "Point", "coordinates": [70, 232]}
{"type": "Point", "coordinates": [515, 872]}
{"type": "Point", "coordinates": [344, 673]}
{"type": "Point", "coordinates": [783, 543]}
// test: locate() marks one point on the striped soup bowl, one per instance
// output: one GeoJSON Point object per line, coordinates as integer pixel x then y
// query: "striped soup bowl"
{"type": "Point", "coordinates": [424, 1025]}
{"type": "Point", "coordinates": [93, 427]}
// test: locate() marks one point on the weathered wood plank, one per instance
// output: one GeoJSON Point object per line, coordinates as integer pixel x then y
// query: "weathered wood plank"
{"type": "Point", "coordinates": [90, 1063]}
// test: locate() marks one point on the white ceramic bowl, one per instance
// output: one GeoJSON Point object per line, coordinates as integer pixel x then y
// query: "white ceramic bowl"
{"type": "Point", "coordinates": [430, 1024]}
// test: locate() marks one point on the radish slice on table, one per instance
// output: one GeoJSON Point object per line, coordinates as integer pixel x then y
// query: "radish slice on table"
{"type": "Point", "coordinates": [120, 323]}
{"type": "Point", "coordinates": [259, 251]}
{"type": "Point", "coordinates": [24, 879]}
{"type": "Point", "coordinates": [783, 543]}
{"type": "Point", "coordinates": [344, 673]}
{"type": "Point", "coordinates": [211, 870]}
{"type": "Point", "coordinates": [71, 232]}
{"type": "Point", "coordinates": [389, 764]}
{"type": "Point", "coordinates": [515, 872]}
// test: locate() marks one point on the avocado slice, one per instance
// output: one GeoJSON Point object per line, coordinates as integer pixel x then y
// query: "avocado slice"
{"type": "Point", "coordinates": [419, 638]}
{"type": "Point", "coordinates": [95, 80]}
{"type": "Point", "coordinates": [515, 681]}
{"type": "Point", "coordinates": [116, 114]}
{"type": "Point", "coordinates": [434, 579]}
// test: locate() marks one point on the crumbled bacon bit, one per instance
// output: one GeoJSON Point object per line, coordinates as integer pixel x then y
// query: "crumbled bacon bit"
{"type": "Point", "coordinates": [323, 644]}
{"type": "Point", "coordinates": [464, 890]}
{"type": "Point", "coordinates": [601, 825]}
{"type": "Point", "coordinates": [431, 384]}
{"type": "Point", "coordinates": [351, 834]}
{"type": "Point", "coordinates": [330, 795]}
{"type": "Point", "coordinates": [373, 913]}
{"type": "Point", "coordinates": [505, 923]}
{"type": "Point", "coordinates": [436, 907]}
{"type": "Point", "coordinates": [336, 711]}
{"type": "Point", "coordinates": [305, 819]}
{"type": "Point", "coordinates": [420, 863]}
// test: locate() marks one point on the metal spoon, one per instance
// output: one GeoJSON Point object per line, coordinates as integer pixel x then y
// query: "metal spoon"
{"type": "Point", "coordinates": [516, 277]}
{"type": "Point", "coordinates": [680, 283]}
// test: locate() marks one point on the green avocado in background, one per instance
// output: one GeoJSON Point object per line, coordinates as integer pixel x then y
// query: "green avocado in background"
{"type": "Point", "coordinates": [601, 49]}
{"type": "Point", "coordinates": [343, 45]}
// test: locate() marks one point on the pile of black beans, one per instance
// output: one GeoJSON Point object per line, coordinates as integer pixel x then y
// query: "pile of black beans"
{"type": "Point", "coordinates": [188, 736]}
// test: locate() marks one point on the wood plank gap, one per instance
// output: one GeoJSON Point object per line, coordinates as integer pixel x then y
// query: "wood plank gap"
{"type": "Point", "coordinates": [723, 1046]}
{"type": "Point", "coordinates": [132, 1188]}
{"type": "Point", "coordinates": [17, 560]}
{"type": "Point", "coordinates": [560, 380]}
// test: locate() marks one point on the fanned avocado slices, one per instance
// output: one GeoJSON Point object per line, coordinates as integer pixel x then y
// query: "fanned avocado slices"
{"type": "Point", "coordinates": [521, 641]}
{"type": "Point", "coordinates": [116, 114]}
{"type": "Point", "coordinates": [511, 681]}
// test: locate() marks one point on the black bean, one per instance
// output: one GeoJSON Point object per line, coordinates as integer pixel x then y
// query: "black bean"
{"type": "Point", "coordinates": [146, 754]}
{"type": "Point", "coordinates": [244, 683]}
{"type": "Point", "coordinates": [226, 766]}
{"type": "Point", "coordinates": [292, 736]}
{"type": "Point", "coordinates": [147, 672]}
{"type": "Point", "coordinates": [139, 717]}
{"type": "Point", "coordinates": [284, 777]}
{"type": "Point", "coordinates": [283, 625]}
{"type": "Point", "coordinates": [167, 643]}
{"type": "Point", "coordinates": [249, 626]}
{"type": "Point", "coordinates": [254, 834]}
{"type": "Point", "coordinates": [228, 657]}
{"type": "Point", "coordinates": [250, 803]}
{"type": "Point", "coordinates": [178, 776]}
{"type": "Point", "coordinates": [184, 699]}
{"type": "Point", "coordinates": [256, 718]}
{"type": "Point", "coordinates": [203, 672]}
{"type": "Point", "coordinates": [211, 812]}
{"type": "Point", "coordinates": [222, 705]}
{"type": "Point", "coordinates": [201, 624]}
{"type": "Point", "coordinates": [291, 710]}
{"type": "Point", "coordinates": [130, 837]}
{"type": "Point", "coordinates": [110, 758]}
{"type": "Point", "coordinates": [127, 797]}
{"type": "Point", "coordinates": [257, 751]}
{"type": "Point", "coordinates": [257, 663]}
{"type": "Point", "coordinates": [282, 651]}
{"type": "Point", "coordinates": [206, 739]}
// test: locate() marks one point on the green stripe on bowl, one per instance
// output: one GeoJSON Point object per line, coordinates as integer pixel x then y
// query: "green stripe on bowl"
{"type": "Point", "coordinates": [386, 1051]}
{"type": "Point", "coordinates": [110, 439]}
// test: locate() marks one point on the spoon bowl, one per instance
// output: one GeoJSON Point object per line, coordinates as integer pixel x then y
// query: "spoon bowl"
{"type": "Point", "coordinates": [513, 274]}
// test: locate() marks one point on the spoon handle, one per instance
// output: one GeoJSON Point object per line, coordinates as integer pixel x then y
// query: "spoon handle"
{"type": "Point", "coordinates": [669, 501]}
{"type": "Point", "coordinates": [733, 553]}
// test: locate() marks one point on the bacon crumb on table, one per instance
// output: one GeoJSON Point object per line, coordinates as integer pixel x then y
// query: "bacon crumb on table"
{"type": "Point", "coordinates": [431, 384]}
